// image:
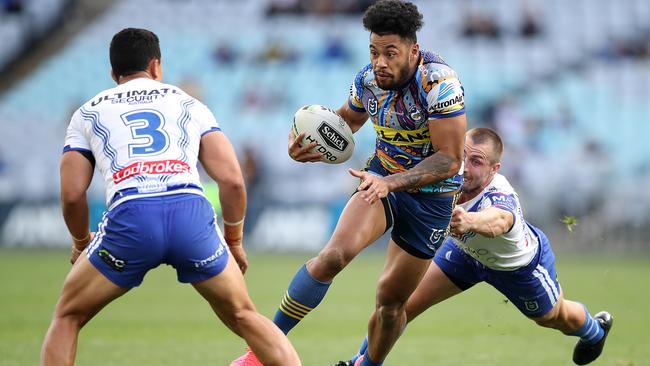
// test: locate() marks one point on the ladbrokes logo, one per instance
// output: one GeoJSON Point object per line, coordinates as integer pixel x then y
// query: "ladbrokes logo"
{"type": "Point", "coordinates": [151, 167]}
{"type": "Point", "coordinates": [332, 137]}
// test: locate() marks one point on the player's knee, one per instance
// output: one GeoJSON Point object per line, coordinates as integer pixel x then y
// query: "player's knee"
{"type": "Point", "coordinates": [71, 319]}
{"type": "Point", "coordinates": [239, 321]}
{"type": "Point", "coordinates": [329, 263]}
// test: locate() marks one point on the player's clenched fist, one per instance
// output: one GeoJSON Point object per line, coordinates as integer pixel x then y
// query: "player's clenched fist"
{"type": "Point", "coordinates": [461, 221]}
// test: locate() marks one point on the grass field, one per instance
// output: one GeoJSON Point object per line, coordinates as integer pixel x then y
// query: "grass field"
{"type": "Point", "coordinates": [165, 323]}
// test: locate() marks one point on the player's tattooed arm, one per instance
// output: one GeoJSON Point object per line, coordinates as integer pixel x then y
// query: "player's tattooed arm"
{"type": "Point", "coordinates": [435, 168]}
{"type": "Point", "coordinates": [448, 139]}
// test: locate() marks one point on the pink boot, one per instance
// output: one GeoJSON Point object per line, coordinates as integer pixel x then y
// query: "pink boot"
{"type": "Point", "coordinates": [248, 359]}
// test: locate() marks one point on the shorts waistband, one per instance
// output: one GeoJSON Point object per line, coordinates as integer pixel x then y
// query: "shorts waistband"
{"type": "Point", "coordinates": [123, 193]}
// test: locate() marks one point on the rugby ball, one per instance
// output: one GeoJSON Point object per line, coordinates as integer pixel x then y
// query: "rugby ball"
{"type": "Point", "coordinates": [333, 137]}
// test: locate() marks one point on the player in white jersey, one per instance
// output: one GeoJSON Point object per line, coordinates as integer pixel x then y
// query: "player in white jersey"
{"type": "Point", "coordinates": [146, 137]}
{"type": "Point", "coordinates": [492, 242]}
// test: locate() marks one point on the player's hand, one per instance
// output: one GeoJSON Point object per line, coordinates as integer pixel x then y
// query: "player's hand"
{"type": "Point", "coordinates": [372, 187]}
{"type": "Point", "coordinates": [237, 250]}
{"type": "Point", "coordinates": [300, 153]}
{"type": "Point", "coordinates": [78, 247]}
{"type": "Point", "coordinates": [460, 221]}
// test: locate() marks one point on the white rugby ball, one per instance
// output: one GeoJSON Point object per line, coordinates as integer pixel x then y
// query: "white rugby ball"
{"type": "Point", "coordinates": [322, 125]}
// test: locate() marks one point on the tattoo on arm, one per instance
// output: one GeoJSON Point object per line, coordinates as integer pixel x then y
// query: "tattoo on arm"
{"type": "Point", "coordinates": [433, 169]}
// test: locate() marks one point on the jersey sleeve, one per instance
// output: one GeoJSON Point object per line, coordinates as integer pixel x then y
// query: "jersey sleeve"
{"type": "Point", "coordinates": [355, 101]}
{"type": "Point", "coordinates": [500, 200]}
{"type": "Point", "coordinates": [447, 97]}
{"type": "Point", "coordinates": [207, 122]}
{"type": "Point", "coordinates": [75, 138]}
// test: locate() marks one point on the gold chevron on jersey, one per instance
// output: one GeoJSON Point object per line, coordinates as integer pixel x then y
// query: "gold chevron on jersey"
{"type": "Point", "coordinates": [293, 308]}
{"type": "Point", "coordinates": [403, 137]}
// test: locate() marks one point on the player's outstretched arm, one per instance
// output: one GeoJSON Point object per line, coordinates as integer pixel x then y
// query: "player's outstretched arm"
{"type": "Point", "coordinates": [220, 162]}
{"type": "Point", "coordinates": [447, 139]}
{"type": "Point", "coordinates": [491, 222]}
{"type": "Point", "coordinates": [76, 174]}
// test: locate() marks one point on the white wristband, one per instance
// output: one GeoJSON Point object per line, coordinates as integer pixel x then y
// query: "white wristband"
{"type": "Point", "coordinates": [228, 223]}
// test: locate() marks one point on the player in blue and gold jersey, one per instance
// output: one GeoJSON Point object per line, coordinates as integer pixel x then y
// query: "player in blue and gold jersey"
{"type": "Point", "coordinates": [416, 104]}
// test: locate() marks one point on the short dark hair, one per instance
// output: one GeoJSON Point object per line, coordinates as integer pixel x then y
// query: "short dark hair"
{"type": "Point", "coordinates": [393, 17]}
{"type": "Point", "coordinates": [132, 49]}
{"type": "Point", "coordinates": [482, 135]}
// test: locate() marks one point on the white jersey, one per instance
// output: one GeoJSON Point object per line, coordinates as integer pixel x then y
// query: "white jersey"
{"type": "Point", "coordinates": [509, 251]}
{"type": "Point", "coordinates": [144, 136]}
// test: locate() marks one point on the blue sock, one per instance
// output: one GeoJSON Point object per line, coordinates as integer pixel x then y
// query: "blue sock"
{"type": "Point", "coordinates": [368, 362]}
{"type": "Point", "coordinates": [362, 350]}
{"type": "Point", "coordinates": [302, 296]}
{"type": "Point", "coordinates": [590, 332]}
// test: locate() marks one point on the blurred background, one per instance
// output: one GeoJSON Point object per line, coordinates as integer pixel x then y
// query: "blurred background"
{"type": "Point", "coordinates": [566, 83]}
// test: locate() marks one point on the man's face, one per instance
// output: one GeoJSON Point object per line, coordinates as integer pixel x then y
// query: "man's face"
{"type": "Point", "coordinates": [479, 168]}
{"type": "Point", "coordinates": [392, 59]}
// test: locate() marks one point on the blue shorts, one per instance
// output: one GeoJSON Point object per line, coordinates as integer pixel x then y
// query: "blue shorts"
{"type": "Point", "coordinates": [419, 221]}
{"type": "Point", "coordinates": [140, 234]}
{"type": "Point", "coordinates": [533, 289]}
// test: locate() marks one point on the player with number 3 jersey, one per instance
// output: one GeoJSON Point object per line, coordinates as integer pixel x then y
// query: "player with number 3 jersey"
{"type": "Point", "coordinates": [146, 139]}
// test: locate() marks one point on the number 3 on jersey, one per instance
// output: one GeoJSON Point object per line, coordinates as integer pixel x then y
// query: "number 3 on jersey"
{"type": "Point", "coordinates": [146, 128]}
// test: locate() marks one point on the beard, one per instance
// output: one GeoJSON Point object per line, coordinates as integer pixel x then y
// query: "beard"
{"type": "Point", "coordinates": [397, 80]}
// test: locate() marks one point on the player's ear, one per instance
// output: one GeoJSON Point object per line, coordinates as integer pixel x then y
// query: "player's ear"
{"type": "Point", "coordinates": [113, 76]}
{"type": "Point", "coordinates": [155, 69]}
{"type": "Point", "coordinates": [496, 167]}
{"type": "Point", "coordinates": [415, 49]}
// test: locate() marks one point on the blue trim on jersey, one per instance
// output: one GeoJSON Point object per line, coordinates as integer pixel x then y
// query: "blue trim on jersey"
{"type": "Point", "coordinates": [355, 108]}
{"type": "Point", "coordinates": [474, 207]}
{"type": "Point", "coordinates": [432, 57]}
{"type": "Point", "coordinates": [358, 80]}
{"type": "Point", "coordinates": [67, 148]}
{"type": "Point", "coordinates": [418, 83]}
{"type": "Point", "coordinates": [182, 122]}
{"type": "Point", "coordinates": [213, 129]}
{"type": "Point", "coordinates": [382, 110]}
{"type": "Point", "coordinates": [447, 115]}
{"type": "Point", "coordinates": [104, 134]}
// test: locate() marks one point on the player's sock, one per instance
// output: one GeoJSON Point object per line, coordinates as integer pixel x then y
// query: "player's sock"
{"type": "Point", "coordinates": [303, 295]}
{"type": "Point", "coordinates": [590, 332]}
{"type": "Point", "coordinates": [362, 350]}
{"type": "Point", "coordinates": [368, 362]}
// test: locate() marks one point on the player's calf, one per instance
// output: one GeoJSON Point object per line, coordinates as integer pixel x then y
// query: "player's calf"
{"type": "Point", "coordinates": [566, 316]}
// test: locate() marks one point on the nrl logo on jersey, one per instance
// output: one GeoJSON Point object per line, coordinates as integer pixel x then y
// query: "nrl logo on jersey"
{"type": "Point", "coordinates": [372, 106]}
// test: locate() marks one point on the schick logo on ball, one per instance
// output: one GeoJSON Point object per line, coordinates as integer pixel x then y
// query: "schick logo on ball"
{"type": "Point", "coordinates": [332, 137]}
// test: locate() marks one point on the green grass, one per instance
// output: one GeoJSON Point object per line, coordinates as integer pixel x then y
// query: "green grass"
{"type": "Point", "coordinates": [166, 323]}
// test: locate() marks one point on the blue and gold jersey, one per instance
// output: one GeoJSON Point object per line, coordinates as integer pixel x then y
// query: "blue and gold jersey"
{"type": "Point", "coordinates": [401, 117]}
